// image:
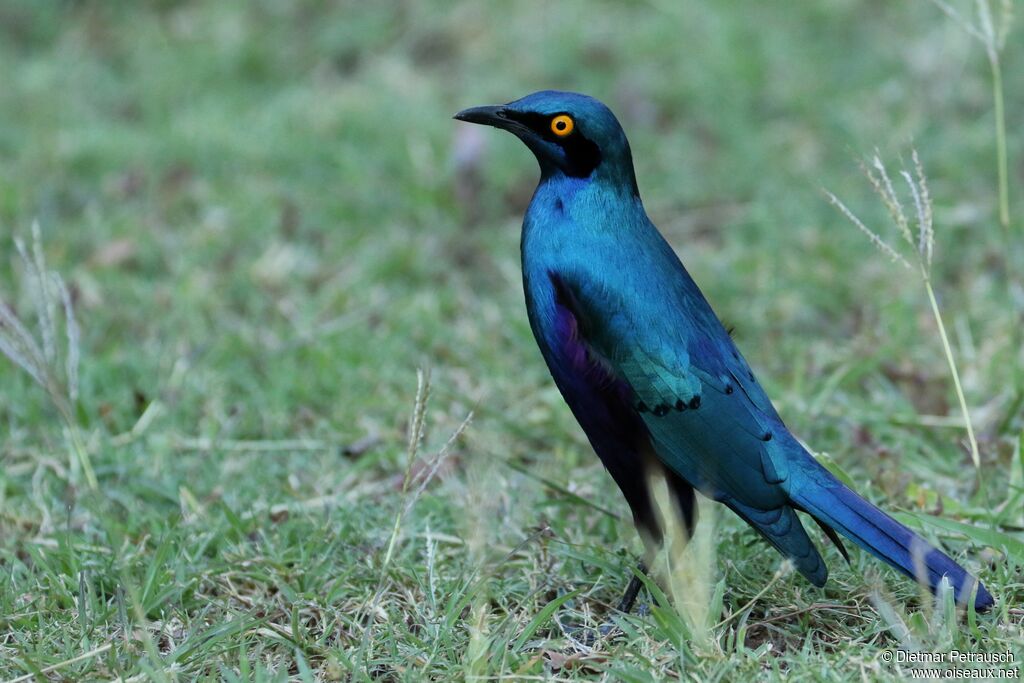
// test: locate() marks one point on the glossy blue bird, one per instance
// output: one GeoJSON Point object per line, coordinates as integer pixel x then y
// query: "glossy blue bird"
{"type": "Point", "coordinates": [649, 371]}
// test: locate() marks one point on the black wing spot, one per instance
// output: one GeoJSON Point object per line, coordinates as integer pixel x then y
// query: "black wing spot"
{"type": "Point", "coordinates": [729, 389]}
{"type": "Point", "coordinates": [767, 436]}
{"type": "Point", "coordinates": [661, 410]}
{"type": "Point", "coordinates": [680, 405]}
{"type": "Point", "coordinates": [641, 407]}
{"type": "Point", "coordinates": [695, 403]}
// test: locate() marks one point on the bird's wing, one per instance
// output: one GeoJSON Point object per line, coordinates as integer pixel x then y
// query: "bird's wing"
{"type": "Point", "coordinates": [710, 420]}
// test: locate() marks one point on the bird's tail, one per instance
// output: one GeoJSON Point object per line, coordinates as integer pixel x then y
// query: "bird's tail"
{"type": "Point", "coordinates": [829, 501]}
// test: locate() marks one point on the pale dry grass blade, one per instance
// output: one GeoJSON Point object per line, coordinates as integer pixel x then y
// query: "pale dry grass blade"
{"type": "Point", "coordinates": [1006, 17]}
{"type": "Point", "coordinates": [889, 197]}
{"type": "Point", "coordinates": [926, 226]}
{"type": "Point", "coordinates": [426, 475]}
{"type": "Point", "coordinates": [39, 355]}
{"type": "Point", "coordinates": [923, 246]}
{"type": "Point", "coordinates": [67, 662]}
{"type": "Point", "coordinates": [18, 345]}
{"type": "Point", "coordinates": [73, 335]}
{"type": "Point", "coordinates": [39, 290]}
{"type": "Point", "coordinates": [967, 26]}
{"type": "Point", "coordinates": [786, 568]}
{"type": "Point", "coordinates": [951, 361]}
{"type": "Point", "coordinates": [419, 412]}
{"type": "Point", "coordinates": [915, 195]}
{"type": "Point", "coordinates": [874, 237]}
{"type": "Point", "coordinates": [992, 38]}
{"type": "Point", "coordinates": [987, 26]}
{"type": "Point", "coordinates": [417, 430]}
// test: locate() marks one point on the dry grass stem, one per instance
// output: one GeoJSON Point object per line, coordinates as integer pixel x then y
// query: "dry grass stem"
{"type": "Point", "coordinates": [923, 247]}
{"type": "Point", "coordinates": [52, 366]}
{"type": "Point", "coordinates": [875, 239]}
{"type": "Point", "coordinates": [993, 38]}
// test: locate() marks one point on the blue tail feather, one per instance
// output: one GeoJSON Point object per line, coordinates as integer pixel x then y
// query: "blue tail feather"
{"type": "Point", "coordinates": [782, 528]}
{"type": "Point", "coordinates": [834, 504]}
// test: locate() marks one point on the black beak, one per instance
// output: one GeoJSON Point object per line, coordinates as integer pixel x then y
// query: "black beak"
{"type": "Point", "coordinates": [487, 116]}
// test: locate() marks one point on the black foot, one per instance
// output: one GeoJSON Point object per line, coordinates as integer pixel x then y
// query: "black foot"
{"type": "Point", "coordinates": [632, 590]}
{"type": "Point", "coordinates": [589, 636]}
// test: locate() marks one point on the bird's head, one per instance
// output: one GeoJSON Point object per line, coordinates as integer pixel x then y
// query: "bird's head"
{"type": "Point", "coordinates": [571, 135]}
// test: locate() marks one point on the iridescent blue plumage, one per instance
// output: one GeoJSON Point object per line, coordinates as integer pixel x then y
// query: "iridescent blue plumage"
{"type": "Point", "coordinates": [647, 368]}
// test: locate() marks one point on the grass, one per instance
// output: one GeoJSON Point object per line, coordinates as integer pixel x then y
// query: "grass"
{"type": "Point", "coordinates": [268, 225]}
{"type": "Point", "coordinates": [992, 36]}
{"type": "Point", "coordinates": [922, 244]}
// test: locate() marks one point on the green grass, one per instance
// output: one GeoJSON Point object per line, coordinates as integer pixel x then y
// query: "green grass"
{"type": "Point", "coordinates": [258, 212]}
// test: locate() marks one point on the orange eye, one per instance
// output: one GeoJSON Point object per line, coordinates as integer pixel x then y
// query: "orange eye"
{"type": "Point", "coordinates": [562, 125]}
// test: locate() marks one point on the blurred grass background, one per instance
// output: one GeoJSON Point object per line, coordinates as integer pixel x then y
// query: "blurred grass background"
{"type": "Point", "coordinates": [268, 221]}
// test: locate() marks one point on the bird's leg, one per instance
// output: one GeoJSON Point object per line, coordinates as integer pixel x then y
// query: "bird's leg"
{"type": "Point", "coordinates": [587, 636]}
{"type": "Point", "coordinates": [632, 590]}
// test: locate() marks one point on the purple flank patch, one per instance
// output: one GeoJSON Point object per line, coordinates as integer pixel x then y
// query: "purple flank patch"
{"type": "Point", "coordinates": [573, 348]}
{"type": "Point", "coordinates": [584, 367]}
{"type": "Point", "coordinates": [582, 362]}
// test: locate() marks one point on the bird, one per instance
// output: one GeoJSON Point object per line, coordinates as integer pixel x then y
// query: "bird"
{"type": "Point", "coordinates": [650, 372]}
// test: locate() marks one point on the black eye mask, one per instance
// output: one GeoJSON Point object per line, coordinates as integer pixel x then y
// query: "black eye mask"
{"type": "Point", "coordinates": [582, 155]}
